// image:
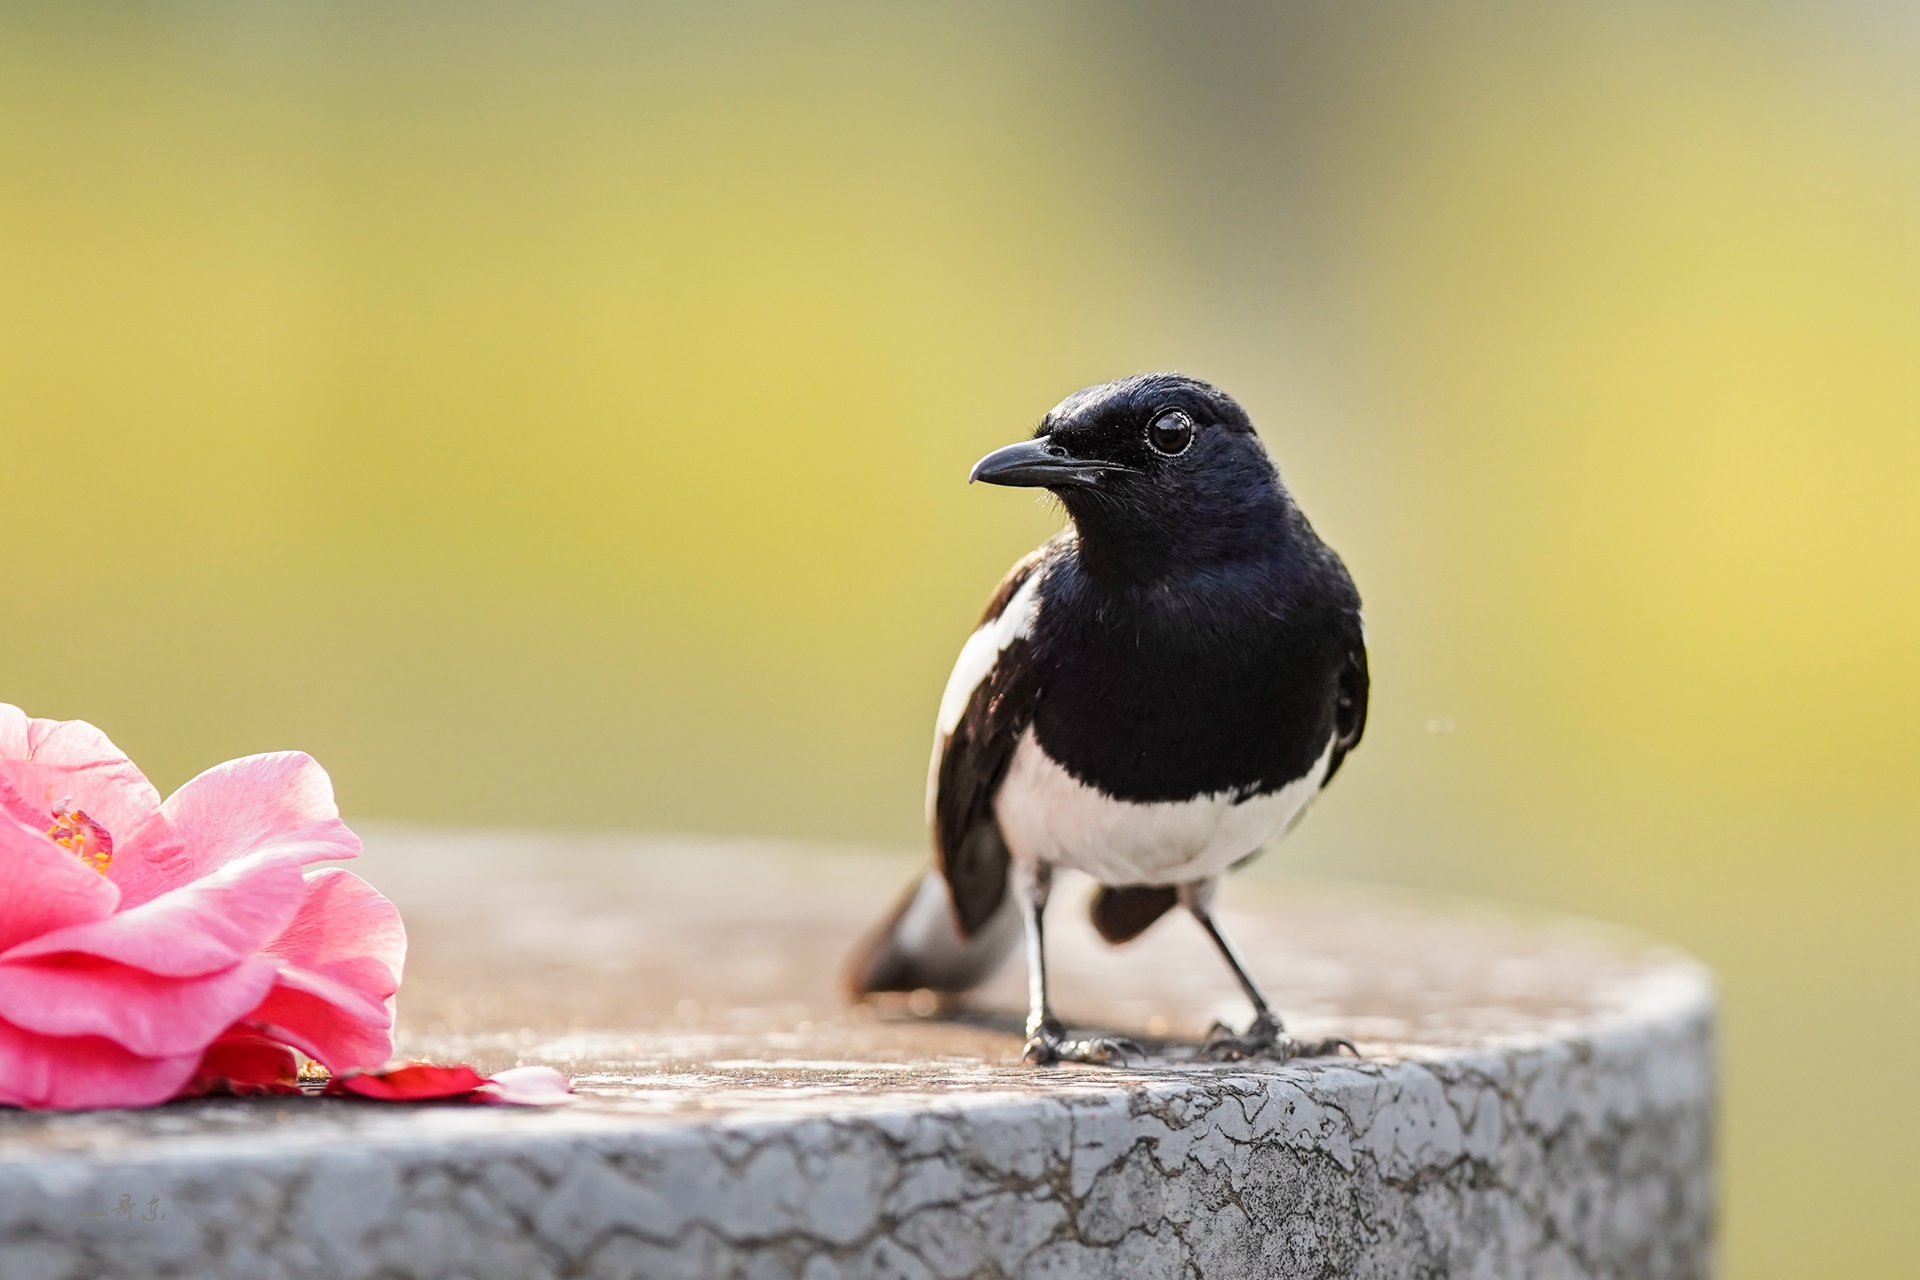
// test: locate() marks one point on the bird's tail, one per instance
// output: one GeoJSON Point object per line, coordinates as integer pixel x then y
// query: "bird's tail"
{"type": "Point", "coordinates": [919, 945]}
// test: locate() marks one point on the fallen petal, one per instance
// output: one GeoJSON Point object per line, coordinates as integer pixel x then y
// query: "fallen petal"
{"type": "Point", "coordinates": [534, 1086]}
{"type": "Point", "coordinates": [413, 1082]}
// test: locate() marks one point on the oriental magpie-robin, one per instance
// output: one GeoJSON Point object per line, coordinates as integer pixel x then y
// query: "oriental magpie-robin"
{"type": "Point", "coordinates": [1150, 698]}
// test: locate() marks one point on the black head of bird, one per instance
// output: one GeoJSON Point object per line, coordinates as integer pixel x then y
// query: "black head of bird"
{"type": "Point", "coordinates": [1160, 474]}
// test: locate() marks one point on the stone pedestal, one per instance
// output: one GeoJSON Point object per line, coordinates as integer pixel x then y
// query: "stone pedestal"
{"type": "Point", "coordinates": [1536, 1098]}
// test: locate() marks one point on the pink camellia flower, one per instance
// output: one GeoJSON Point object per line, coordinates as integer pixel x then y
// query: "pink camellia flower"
{"type": "Point", "coordinates": [150, 948]}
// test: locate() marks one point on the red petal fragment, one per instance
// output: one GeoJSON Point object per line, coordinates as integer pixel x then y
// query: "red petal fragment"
{"type": "Point", "coordinates": [416, 1080]}
{"type": "Point", "coordinates": [245, 1065]}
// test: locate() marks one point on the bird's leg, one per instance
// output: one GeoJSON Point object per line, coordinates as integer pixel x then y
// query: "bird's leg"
{"type": "Point", "coordinates": [1267, 1036]}
{"type": "Point", "coordinates": [1031, 884]}
{"type": "Point", "coordinates": [1046, 1038]}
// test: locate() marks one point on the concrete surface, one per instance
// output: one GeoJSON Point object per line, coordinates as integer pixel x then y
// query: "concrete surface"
{"type": "Point", "coordinates": [1536, 1098]}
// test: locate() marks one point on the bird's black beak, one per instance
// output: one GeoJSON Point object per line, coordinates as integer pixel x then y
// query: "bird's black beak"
{"type": "Point", "coordinates": [1041, 464]}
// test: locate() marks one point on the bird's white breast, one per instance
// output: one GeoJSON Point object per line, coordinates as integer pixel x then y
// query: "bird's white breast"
{"type": "Point", "coordinates": [1048, 815]}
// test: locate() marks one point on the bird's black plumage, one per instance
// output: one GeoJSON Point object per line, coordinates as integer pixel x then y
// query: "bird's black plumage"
{"type": "Point", "coordinates": [1188, 642]}
{"type": "Point", "coordinates": [968, 846]}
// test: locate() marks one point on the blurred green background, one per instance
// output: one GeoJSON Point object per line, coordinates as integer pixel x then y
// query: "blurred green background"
{"type": "Point", "coordinates": [557, 415]}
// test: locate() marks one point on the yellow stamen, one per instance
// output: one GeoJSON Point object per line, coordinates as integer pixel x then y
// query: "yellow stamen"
{"type": "Point", "coordinates": [81, 836]}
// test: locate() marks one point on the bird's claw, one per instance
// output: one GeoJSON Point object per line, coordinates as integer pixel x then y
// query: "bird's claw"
{"type": "Point", "coordinates": [1265, 1039]}
{"type": "Point", "coordinates": [1050, 1044]}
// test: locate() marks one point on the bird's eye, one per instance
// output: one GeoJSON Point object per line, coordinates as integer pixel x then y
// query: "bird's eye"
{"type": "Point", "coordinates": [1171, 432]}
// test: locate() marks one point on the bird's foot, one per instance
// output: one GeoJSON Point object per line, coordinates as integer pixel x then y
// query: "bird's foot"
{"type": "Point", "coordinates": [1049, 1044]}
{"type": "Point", "coordinates": [1265, 1039]}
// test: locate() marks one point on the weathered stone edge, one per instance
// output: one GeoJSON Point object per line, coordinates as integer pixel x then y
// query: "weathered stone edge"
{"type": "Point", "coordinates": [1586, 1156]}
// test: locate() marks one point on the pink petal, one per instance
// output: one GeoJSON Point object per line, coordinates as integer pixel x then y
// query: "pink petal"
{"type": "Point", "coordinates": [344, 925]}
{"type": "Point", "coordinates": [339, 1036]}
{"type": "Point", "coordinates": [198, 928]}
{"type": "Point", "coordinates": [415, 1080]}
{"type": "Point", "coordinates": [151, 861]}
{"type": "Point", "coordinates": [328, 841]}
{"type": "Point", "coordinates": [259, 802]}
{"type": "Point", "coordinates": [43, 761]}
{"type": "Point", "coordinates": [16, 806]}
{"type": "Point", "coordinates": [68, 1072]}
{"type": "Point", "coordinates": [152, 1016]}
{"type": "Point", "coordinates": [245, 1064]}
{"type": "Point", "coordinates": [45, 887]}
{"type": "Point", "coordinates": [340, 963]}
{"type": "Point", "coordinates": [528, 1087]}
{"type": "Point", "coordinates": [349, 988]}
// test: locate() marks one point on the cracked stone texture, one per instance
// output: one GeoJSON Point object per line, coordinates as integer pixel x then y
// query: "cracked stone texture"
{"type": "Point", "coordinates": [1536, 1098]}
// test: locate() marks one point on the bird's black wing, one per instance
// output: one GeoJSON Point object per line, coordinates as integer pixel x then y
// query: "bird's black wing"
{"type": "Point", "coordinates": [971, 759]}
{"type": "Point", "coordinates": [1350, 705]}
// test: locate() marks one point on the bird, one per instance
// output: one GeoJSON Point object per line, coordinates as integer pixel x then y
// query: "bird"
{"type": "Point", "coordinates": [1150, 698]}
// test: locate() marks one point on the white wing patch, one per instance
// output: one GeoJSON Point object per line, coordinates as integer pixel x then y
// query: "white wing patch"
{"type": "Point", "coordinates": [977, 656]}
{"type": "Point", "coordinates": [983, 649]}
{"type": "Point", "coordinates": [1048, 815]}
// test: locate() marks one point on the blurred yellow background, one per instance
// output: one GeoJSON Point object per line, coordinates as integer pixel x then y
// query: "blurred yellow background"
{"type": "Point", "coordinates": [558, 416]}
